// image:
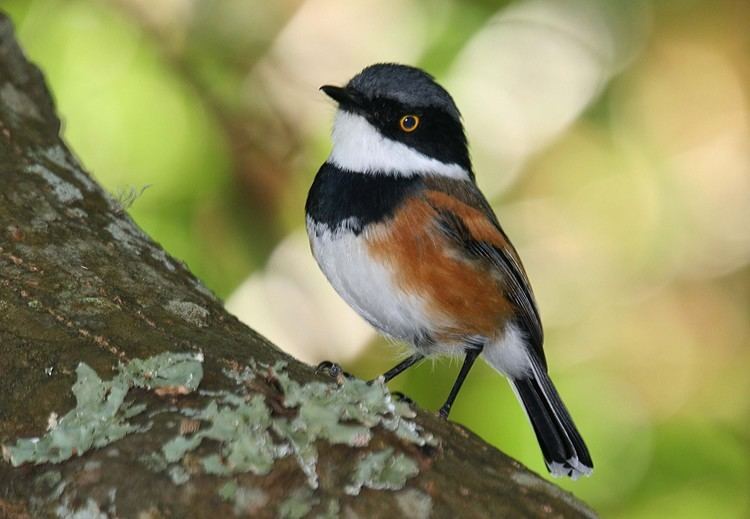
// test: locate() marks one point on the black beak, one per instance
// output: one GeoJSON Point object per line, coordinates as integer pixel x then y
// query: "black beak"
{"type": "Point", "coordinates": [343, 96]}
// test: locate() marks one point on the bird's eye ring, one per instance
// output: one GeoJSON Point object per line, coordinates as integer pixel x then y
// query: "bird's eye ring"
{"type": "Point", "coordinates": [409, 123]}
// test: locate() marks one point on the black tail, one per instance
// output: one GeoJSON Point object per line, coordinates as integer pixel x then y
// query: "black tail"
{"type": "Point", "coordinates": [562, 446]}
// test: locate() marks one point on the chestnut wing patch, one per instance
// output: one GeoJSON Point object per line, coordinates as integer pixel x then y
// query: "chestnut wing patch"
{"type": "Point", "coordinates": [476, 237]}
{"type": "Point", "coordinates": [461, 300]}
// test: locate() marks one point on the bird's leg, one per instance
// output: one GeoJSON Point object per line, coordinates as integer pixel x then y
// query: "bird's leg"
{"type": "Point", "coordinates": [471, 356]}
{"type": "Point", "coordinates": [401, 367]}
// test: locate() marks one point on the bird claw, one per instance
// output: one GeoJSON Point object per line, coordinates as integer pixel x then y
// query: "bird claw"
{"type": "Point", "coordinates": [400, 397]}
{"type": "Point", "coordinates": [333, 370]}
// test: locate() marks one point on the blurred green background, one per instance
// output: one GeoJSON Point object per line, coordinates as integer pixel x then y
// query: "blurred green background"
{"type": "Point", "coordinates": [612, 137]}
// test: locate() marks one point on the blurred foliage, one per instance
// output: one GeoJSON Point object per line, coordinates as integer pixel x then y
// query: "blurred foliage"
{"type": "Point", "coordinates": [612, 137]}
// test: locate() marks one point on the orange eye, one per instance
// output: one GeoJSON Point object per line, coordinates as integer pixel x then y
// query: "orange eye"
{"type": "Point", "coordinates": [409, 123]}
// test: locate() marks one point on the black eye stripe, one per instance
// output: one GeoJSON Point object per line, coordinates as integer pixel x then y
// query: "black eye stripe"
{"type": "Point", "coordinates": [442, 138]}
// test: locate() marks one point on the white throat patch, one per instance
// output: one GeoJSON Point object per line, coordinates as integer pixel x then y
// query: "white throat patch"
{"type": "Point", "coordinates": [359, 147]}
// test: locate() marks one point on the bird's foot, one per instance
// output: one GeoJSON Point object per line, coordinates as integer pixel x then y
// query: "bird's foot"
{"type": "Point", "coordinates": [333, 370]}
{"type": "Point", "coordinates": [400, 397]}
{"type": "Point", "coordinates": [444, 412]}
{"type": "Point", "coordinates": [376, 380]}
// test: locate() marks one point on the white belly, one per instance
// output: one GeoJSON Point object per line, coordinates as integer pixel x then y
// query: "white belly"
{"type": "Point", "coordinates": [366, 285]}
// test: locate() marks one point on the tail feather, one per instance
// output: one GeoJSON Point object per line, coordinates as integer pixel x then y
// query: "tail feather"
{"type": "Point", "coordinates": [564, 451]}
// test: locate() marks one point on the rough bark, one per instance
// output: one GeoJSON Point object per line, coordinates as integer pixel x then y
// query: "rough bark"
{"type": "Point", "coordinates": [80, 282]}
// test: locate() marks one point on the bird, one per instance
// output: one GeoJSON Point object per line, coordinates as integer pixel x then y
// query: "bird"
{"type": "Point", "coordinates": [400, 229]}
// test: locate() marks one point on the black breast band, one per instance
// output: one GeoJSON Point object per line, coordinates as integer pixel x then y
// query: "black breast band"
{"type": "Point", "coordinates": [337, 195]}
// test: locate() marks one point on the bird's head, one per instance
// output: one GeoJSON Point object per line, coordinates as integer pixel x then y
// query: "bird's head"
{"type": "Point", "coordinates": [396, 120]}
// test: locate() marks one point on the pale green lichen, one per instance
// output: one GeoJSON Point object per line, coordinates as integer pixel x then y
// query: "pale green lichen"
{"type": "Point", "coordinates": [240, 377]}
{"type": "Point", "coordinates": [382, 470]}
{"type": "Point", "coordinates": [95, 305]}
{"type": "Point", "coordinates": [48, 488]}
{"type": "Point", "coordinates": [76, 212]}
{"type": "Point", "coordinates": [228, 490]}
{"type": "Point", "coordinates": [333, 511]}
{"type": "Point", "coordinates": [48, 480]}
{"type": "Point", "coordinates": [153, 461]}
{"type": "Point", "coordinates": [250, 437]}
{"type": "Point", "coordinates": [414, 503]}
{"type": "Point", "coordinates": [102, 415]}
{"type": "Point", "coordinates": [241, 428]}
{"type": "Point", "coordinates": [91, 509]}
{"type": "Point", "coordinates": [246, 500]}
{"type": "Point", "coordinates": [178, 475]}
{"type": "Point", "coordinates": [322, 408]}
{"type": "Point", "coordinates": [189, 312]}
{"type": "Point", "coordinates": [249, 500]}
{"type": "Point", "coordinates": [166, 370]}
{"type": "Point", "coordinates": [92, 465]}
{"type": "Point", "coordinates": [299, 503]}
{"type": "Point", "coordinates": [342, 414]}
